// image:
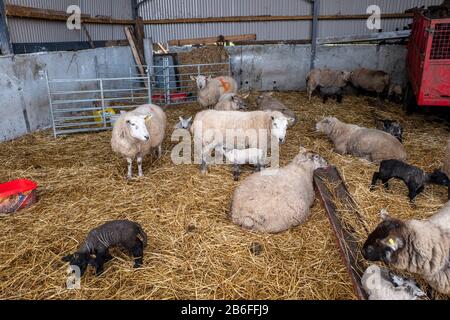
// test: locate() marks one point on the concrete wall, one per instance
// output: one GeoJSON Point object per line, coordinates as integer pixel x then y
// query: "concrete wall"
{"type": "Point", "coordinates": [24, 103]}
{"type": "Point", "coordinates": [284, 67]}
{"type": "Point", "coordinates": [23, 93]}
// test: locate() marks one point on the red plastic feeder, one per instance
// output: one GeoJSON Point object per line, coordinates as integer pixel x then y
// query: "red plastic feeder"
{"type": "Point", "coordinates": [174, 97]}
{"type": "Point", "coordinates": [17, 194]}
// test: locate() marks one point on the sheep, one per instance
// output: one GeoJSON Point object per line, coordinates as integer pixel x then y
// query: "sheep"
{"type": "Point", "coordinates": [237, 157]}
{"type": "Point", "coordinates": [121, 233]}
{"type": "Point", "coordinates": [325, 78]}
{"type": "Point", "coordinates": [275, 200]}
{"type": "Point", "coordinates": [414, 177]}
{"type": "Point", "coordinates": [334, 92]}
{"type": "Point", "coordinates": [184, 123]}
{"type": "Point", "coordinates": [136, 132]}
{"type": "Point", "coordinates": [418, 246]}
{"type": "Point", "coordinates": [211, 127]}
{"type": "Point", "coordinates": [370, 80]}
{"type": "Point", "coordinates": [395, 93]}
{"type": "Point", "coordinates": [446, 160]}
{"type": "Point", "coordinates": [266, 102]}
{"type": "Point", "coordinates": [211, 89]}
{"type": "Point", "coordinates": [382, 284]}
{"type": "Point", "coordinates": [230, 102]}
{"type": "Point", "coordinates": [370, 144]}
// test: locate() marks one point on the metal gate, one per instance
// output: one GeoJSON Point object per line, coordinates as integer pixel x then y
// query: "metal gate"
{"type": "Point", "coordinates": [89, 105]}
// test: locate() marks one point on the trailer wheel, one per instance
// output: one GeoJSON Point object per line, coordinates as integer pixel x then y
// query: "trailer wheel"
{"type": "Point", "coordinates": [410, 103]}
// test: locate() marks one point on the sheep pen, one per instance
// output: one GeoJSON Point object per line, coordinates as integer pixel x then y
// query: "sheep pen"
{"type": "Point", "coordinates": [194, 251]}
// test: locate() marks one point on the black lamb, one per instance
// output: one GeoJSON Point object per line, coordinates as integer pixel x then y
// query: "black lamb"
{"type": "Point", "coordinates": [414, 177]}
{"type": "Point", "coordinates": [120, 233]}
{"type": "Point", "coordinates": [392, 127]}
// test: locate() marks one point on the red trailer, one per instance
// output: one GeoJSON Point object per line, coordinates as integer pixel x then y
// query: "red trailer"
{"type": "Point", "coordinates": [428, 63]}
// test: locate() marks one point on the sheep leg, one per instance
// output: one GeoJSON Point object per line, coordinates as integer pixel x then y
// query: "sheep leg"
{"type": "Point", "coordinates": [385, 183]}
{"type": "Point", "coordinates": [139, 162]}
{"type": "Point", "coordinates": [258, 167]}
{"type": "Point", "coordinates": [138, 253]}
{"type": "Point", "coordinates": [159, 151]}
{"type": "Point", "coordinates": [130, 168]}
{"type": "Point", "coordinates": [99, 262]}
{"type": "Point", "coordinates": [236, 172]}
{"type": "Point", "coordinates": [339, 98]}
{"type": "Point", "coordinates": [375, 178]}
{"type": "Point", "coordinates": [324, 99]}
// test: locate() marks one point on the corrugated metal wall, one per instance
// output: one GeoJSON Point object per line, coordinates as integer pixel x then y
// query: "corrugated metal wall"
{"type": "Point", "coordinates": [288, 30]}
{"type": "Point", "coordinates": [30, 30]}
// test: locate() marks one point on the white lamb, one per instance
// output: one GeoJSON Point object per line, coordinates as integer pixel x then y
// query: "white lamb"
{"type": "Point", "coordinates": [275, 200]}
{"type": "Point", "coordinates": [137, 132]}
{"type": "Point", "coordinates": [211, 89]}
{"type": "Point", "coordinates": [254, 156]}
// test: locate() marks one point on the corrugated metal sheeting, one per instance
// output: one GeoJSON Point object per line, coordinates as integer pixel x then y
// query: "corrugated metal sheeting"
{"type": "Point", "coordinates": [31, 30]}
{"type": "Point", "coordinates": [283, 30]}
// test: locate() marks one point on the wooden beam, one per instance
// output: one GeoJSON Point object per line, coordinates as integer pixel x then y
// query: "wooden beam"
{"type": "Point", "coordinates": [15, 11]}
{"type": "Point", "coordinates": [199, 41]}
{"type": "Point", "coordinates": [274, 18]}
{"type": "Point", "coordinates": [140, 36]}
{"type": "Point", "coordinates": [136, 55]}
{"type": "Point", "coordinates": [5, 41]}
{"type": "Point", "coordinates": [348, 246]}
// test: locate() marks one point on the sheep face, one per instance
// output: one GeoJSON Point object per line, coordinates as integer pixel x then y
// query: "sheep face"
{"type": "Point", "coordinates": [202, 81]}
{"type": "Point", "coordinates": [237, 103]}
{"type": "Point", "coordinates": [325, 125]}
{"type": "Point", "coordinates": [279, 128]}
{"type": "Point", "coordinates": [138, 128]}
{"type": "Point", "coordinates": [184, 123]}
{"type": "Point", "coordinates": [393, 128]}
{"type": "Point", "coordinates": [384, 242]}
{"type": "Point", "coordinates": [308, 156]}
{"type": "Point", "coordinates": [345, 75]}
{"type": "Point", "coordinates": [440, 178]}
{"type": "Point", "coordinates": [262, 97]}
{"type": "Point", "coordinates": [81, 260]}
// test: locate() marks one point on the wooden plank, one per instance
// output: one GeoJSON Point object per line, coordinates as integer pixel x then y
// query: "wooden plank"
{"type": "Point", "coordinates": [135, 52]}
{"type": "Point", "coordinates": [376, 36]}
{"type": "Point", "coordinates": [140, 35]}
{"type": "Point", "coordinates": [348, 246]}
{"type": "Point", "coordinates": [15, 11]}
{"type": "Point", "coordinates": [88, 36]}
{"type": "Point", "coordinates": [210, 40]}
{"type": "Point", "coordinates": [268, 18]}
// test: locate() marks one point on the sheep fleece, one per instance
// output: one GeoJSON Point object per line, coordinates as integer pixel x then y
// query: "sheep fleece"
{"type": "Point", "coordinates": [427, 253]}
{"type": "Point", "coordinates": [274, 203]}
{"type": "Point", "coordinates": [446, 167]}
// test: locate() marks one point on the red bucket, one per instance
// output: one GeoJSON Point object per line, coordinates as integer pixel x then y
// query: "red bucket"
{"type": "Point", "coordinates": [17, 194]}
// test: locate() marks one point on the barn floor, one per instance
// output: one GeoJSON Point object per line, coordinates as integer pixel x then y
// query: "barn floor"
{"type": "Point", "coordinates": [194, 252]}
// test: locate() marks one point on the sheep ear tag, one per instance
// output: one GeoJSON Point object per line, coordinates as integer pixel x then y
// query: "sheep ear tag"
{"type": "Point", "coordinates": [148, 119]}
{"type": "Point", "coordinates": [391, 242]}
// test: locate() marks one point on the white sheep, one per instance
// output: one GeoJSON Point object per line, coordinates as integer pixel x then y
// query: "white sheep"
{"type": "Point", "coordinates": [418, 246]}
{"type": "Point", "coordinates": [275, 200]}
{"type": "Point", "coordinates": [230, 102]}
{"type": "Point", "coordinates": [184, 123]}
{"type": "Point", "coordinates": [381, 284]}
{"type": "Point", "coordinates": [237, 157]}
{"type": "Point", "coordinates": [211, 89]}
{"type": "Point", "coordinates": [326, 78]}
{"type": "Point", "coordinates": [371, 144]}
{"type": "Point", "coordinates": [211, 129]}
{"type": "Point", "coordinates": [136, 133]}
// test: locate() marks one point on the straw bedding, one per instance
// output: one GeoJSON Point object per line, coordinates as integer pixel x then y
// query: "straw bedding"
{"type": "Point", "coordinates": [194, 252]}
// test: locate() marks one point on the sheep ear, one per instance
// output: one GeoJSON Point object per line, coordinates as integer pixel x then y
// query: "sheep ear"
{"type": "Point", "coordinates": [384, 215]}
{"type": "Point", "coordinates": [180, 118]}
{"type": "Point", "coordinates": [392, 242]}
{"type": "Point", "coordinates": [245, 96]}
{"type": "Point", "coordinates": [189, 120]}
{"type": "Point", "coordinates": [67, 258]}
{"type": "Point", "coordinates": [193, 78]}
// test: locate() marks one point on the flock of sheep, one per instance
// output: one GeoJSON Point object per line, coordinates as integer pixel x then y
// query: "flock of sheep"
{"type": "Point", "coordinates": [275, 200]}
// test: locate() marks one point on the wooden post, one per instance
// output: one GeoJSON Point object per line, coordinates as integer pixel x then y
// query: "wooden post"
{"type": "Point", "coordinates": [136, 54]}
{"type": "Point", "coordinates": [140, 35]}
{"type": "Point", "coordinates": [5, 41]}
